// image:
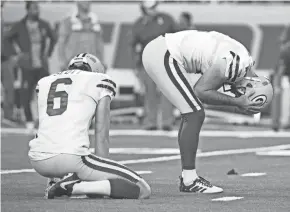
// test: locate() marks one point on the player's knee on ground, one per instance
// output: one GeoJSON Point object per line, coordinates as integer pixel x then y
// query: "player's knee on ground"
{"type": "Point", "coordinates": [124, 189]}
{"type": "Point", "coordinates": [145, 190]}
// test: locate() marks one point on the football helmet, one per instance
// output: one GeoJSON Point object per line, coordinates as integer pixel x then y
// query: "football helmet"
{"type": "Point", "coordinates": [86, 62]}
{"type": "Point", "coordinates": [149, 4]}
{"type": "Point", "coordinates": [261, 85]}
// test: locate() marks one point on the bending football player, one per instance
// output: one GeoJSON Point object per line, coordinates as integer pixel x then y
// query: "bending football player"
{"type": "Point", "coordinates": [172, 59]}
{"type": "Point", "coordinates": [67, 102]}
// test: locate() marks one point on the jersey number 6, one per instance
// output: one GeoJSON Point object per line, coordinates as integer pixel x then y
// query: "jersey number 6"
{"type": "Point", "coordinates": [52, 94]}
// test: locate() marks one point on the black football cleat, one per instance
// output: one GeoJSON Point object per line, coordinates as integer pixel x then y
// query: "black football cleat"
{"type": "Point", "coordinates": [63, 187]}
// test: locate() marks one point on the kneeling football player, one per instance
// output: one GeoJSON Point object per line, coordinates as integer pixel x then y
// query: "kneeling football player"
{"type": "Point", "coordinates": [67, 103]}
{"type": "Point", "coordinates": [170, 60]}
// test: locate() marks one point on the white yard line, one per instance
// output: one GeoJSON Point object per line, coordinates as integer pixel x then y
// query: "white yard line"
{"type": "Point", "coordinates": [177, 157]}
{"type": "Point", "coordinates": [226, 199]}
{"type": "Point", "coordinates": [206, 133]}
{"type": "Point", "coordinates": [285, 153]}
{"type": "Point", "coordinates": [253, 174]}
{"type": "Point", "coordinates": [32, 171]}
{"type": "Point", "coordinates": [144, 151]}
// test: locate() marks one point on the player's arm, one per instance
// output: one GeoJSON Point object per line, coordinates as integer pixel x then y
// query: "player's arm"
{"type": "Point", "coordinates": [208, 84]}
{"type": "Point", "coordinates": [102, 127]}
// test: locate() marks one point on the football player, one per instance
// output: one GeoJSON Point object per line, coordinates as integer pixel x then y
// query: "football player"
{"type": "Point", "coordinates": [67, 103]}
{"type": "Point", "coordinates": [170, 60]}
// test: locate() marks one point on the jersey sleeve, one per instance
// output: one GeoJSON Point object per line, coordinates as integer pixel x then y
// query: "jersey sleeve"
{"type": "Point", "coordinates": [101, 85]}
{"type": "Point", "coordinates": [232, 65]}
{"type": "Point", "coordinates": [237, 65]}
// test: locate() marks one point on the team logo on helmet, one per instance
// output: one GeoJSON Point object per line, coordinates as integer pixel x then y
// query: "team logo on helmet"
{"type": "Point", "coordinates": [260, 98]}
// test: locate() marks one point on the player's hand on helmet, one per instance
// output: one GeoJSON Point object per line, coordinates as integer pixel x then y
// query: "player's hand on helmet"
{"type": "Point", "coordinates": [245, 104]}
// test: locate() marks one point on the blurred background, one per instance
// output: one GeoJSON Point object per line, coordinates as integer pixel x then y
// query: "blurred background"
{"type": "Point", "coordinates": [39, 38]}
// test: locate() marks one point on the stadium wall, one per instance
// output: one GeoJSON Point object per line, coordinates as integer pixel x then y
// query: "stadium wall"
{"type": "Point", "coordinates": [258, 27]}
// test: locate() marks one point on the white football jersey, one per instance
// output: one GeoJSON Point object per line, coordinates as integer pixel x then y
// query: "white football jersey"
{"type": "Point", "coordinates": [196, 51]}
{"type": "Point", "coordinates": [66, 106]}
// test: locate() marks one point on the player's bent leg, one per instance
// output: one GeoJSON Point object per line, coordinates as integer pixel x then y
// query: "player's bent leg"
{"type": "Point", "coordinates": [124, 183]}
{"type": "Point", "coordinates": [92, 176]}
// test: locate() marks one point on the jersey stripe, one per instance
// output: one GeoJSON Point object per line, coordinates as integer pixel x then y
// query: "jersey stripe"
{"type": "Point", "coordinates": [237, 68]}
{"type": "Point", "coordinates": [234, 67]}
{"type": "Point", "coordinates": [231, 66]}
{"type": "Point", "coordinates": [110, 81]}
{"type": "Point", "coordinates": [107, 87]}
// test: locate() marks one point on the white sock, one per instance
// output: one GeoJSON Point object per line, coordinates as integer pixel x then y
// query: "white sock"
{"type": "Point", "coordinates": [92, 187]}
{"type": "Point", "coordinates": [189, 176]}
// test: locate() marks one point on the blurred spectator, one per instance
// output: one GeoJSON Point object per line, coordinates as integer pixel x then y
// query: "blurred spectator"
{"type": "Point", "coordinates": [30, 35]}
{"type": "Point", "coordinates": [81, 32]}
{"type": "Point", "coordinates": [285, 50]}
{"type": "Point", "coordinates": [185, 22]}
{"type": "Point", "coordinates": [149, 26]}
{"type": "Point", "coordinates": [8, 62]}
{"type": "Point", "coordinates": [281, 82]}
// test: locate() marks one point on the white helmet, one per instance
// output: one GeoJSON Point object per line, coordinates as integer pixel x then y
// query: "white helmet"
{"type": "Point", "coordinates": [261, 85]}
{"type": "Point", "coordinates": [86, 62]}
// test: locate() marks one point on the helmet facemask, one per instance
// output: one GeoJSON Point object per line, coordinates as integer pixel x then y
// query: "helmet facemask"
{"type": "Point", "coordinates": [81, 66]}
{"type": "Point", "coordinates": [240, 87]}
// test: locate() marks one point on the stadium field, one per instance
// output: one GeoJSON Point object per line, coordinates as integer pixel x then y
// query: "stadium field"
{"type": "Point", "coordinates": [260, 158]}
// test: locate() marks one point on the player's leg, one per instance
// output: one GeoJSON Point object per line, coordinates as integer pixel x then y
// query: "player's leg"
{"type": "Point", "coordinates": [192, 114]}
{"type": "Point", "coordinates": [121, 181]}
{"type": "Point", "coordinates": [173, 83]}
{"type": "Point", "coordinates": [92, 176]}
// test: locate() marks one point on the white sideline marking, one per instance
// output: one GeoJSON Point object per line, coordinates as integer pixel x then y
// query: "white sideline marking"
{"type": "Point", "coordinates": [177, 157]}
{"type": "Point", "coordinates": [32, 171]}
{"type": "Point", "coordinates": [207, 133]}
{"type": "Point", "coordinates": [225, 199]}
{"type": "Point", "coordinates": [275, 153]}
{"type": "Point", "coordinates": [144, 151]}
{"type": "Point", "coordinates": [144, 172]}
{"type": "Point", "coordinates": [18, 171]}
{"type": "Point", "coordinates": [253, 174]}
